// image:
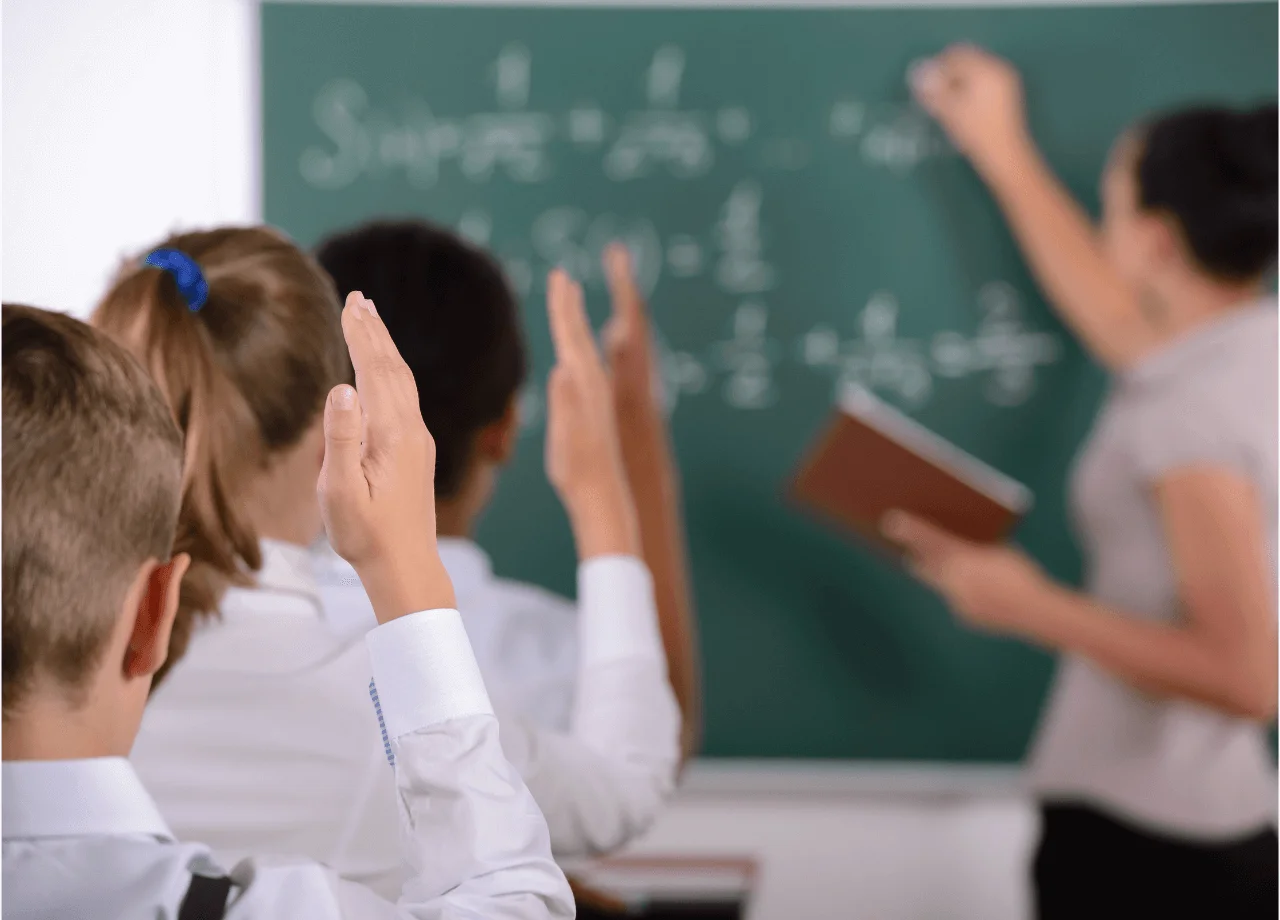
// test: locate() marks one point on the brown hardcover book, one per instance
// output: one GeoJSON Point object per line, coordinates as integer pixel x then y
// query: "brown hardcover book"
{"type": "Point", "coordinates": [872, 459]}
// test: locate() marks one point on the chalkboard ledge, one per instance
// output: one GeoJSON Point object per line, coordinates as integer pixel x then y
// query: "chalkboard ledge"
{"type": "Point", "coordinates": [714, 777]}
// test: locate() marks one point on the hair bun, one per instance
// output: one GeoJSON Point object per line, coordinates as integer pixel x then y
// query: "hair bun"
{"type": "Point", "coordinates": [1214, 169]}
{"type": "Point", "coordinates": [1249, 149]}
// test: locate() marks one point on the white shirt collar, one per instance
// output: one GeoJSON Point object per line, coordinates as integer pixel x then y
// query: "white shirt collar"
{"type": "Point", "coordinates": [289, 568]}
{"type": "Point", "coordinates": [346, 606]}
{"type": "Point", "coordinates": [96, 796]}
{"type": "Point", "coordinates": [468, 565]}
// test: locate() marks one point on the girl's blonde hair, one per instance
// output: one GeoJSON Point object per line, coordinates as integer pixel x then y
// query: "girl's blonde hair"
{"type": "Point", "coordinates": [245, 375]}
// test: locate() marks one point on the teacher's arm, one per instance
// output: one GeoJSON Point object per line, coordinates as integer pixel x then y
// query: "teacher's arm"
{"type": "Point", "coordinates": [977, 98]}
{"type": "Point", "coordinates": [1221, 654]}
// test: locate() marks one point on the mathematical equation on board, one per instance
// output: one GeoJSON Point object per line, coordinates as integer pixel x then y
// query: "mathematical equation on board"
{"type": "Point", "coordinates": [741, 367]}
{"type": "Point", "coordinates": [731, 253]}
{"type": "Point", "coordinates": [659, 137]}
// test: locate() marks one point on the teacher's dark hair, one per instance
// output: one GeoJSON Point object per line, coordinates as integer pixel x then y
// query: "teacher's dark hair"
{"type": "Point", "coordinates": [1214, 171]}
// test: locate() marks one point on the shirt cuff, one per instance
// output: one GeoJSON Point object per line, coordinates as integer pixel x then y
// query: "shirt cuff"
{"type": "Point", "coordinates": [425, 671]}
{"type": "Point", "coordinates": [618, 616]}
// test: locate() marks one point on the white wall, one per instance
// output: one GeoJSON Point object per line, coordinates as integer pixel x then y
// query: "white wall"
{"type": "Point", "coordinates": [123, 120]}
{"type": "Point", "coordinates": [126, 119]}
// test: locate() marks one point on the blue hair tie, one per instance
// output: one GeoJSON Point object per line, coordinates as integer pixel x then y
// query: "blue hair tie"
{"type": "Point", "coordinates": [191, 284]}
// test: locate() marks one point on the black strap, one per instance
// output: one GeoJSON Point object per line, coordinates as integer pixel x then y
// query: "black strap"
{"type": "Point", "coordinates": [206, 899]}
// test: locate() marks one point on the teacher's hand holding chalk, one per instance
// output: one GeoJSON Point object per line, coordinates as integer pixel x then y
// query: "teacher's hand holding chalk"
{"type": "Point", "coordinates": [977, 98]}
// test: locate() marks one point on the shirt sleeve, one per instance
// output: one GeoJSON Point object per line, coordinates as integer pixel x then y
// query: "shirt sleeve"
{"type": "Point", "coordinates": [476, 843]}
{"type": "Point", "coordinates": [603, 782]}
{"type": "Point", "coordinates": [1174, 437]}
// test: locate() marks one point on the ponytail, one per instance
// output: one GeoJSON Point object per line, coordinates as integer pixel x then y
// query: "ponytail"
{"type": "Point", "coordinates": [245, 375]}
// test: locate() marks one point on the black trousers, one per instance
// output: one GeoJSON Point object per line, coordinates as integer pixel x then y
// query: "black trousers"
{"type": "Point", "coordinates": [1090, 866]}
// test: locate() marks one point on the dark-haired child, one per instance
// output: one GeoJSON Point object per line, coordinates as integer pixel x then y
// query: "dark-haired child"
{"type": "Point", "coordinates": [595, 735]}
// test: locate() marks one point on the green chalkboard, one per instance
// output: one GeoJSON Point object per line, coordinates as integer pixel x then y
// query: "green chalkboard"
{"type": "Point", "coordinates": [797, 222]}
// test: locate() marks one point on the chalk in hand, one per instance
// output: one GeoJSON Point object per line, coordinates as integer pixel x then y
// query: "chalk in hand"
{"type": "Point", "coordinates": [924, 74]}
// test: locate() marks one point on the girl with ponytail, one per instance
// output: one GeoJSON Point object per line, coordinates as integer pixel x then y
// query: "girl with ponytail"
{"type": "Point", "coordinates": [246, 353]}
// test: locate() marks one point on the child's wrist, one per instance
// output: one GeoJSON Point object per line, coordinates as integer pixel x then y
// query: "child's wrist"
{"type": "Point", "coordinates": [400, 586]}
{"type": "Point", "coordinates": [604, 522]}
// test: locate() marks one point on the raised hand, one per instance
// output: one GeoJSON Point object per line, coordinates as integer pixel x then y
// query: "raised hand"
{"type": "Point", "coordinates": [977, 98]}
{"type": "Point", "coordinates": [655, 482]}
{"type": "Point", "coordinates": [377, 484]}
{"type": "Point", "coordinates": [583, 458]}
{"type": "Point", "coordinates": [628, 342]}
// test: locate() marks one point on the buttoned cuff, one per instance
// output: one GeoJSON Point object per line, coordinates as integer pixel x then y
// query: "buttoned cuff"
{"type": "Point", "coordinates": [619, 619]}
{"type": "Point", "coordinates": [425, 672]}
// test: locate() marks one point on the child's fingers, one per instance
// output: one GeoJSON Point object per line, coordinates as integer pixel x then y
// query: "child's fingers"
{"type": "Point", "coordinates": [561, 337]}
{"type": "Point", "coordinates": [628, 305]}
{"type": "Point", "coordinates": [584, 342]}
{"type": "Point", "coordinates": [342, 483]}
{"type": "Point", "coordinates": [570, 331]}
{"type": "Point", "coordinates": [388, 395]}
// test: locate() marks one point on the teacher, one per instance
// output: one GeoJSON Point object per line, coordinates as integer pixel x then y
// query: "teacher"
{"type": "Point", "coordinates": [1157, 791]}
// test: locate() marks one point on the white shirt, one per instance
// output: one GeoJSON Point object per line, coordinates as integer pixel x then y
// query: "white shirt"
{"type": "Point", "coordinates": [525, 638]}
{"type": "Point", "coordinates": [82, 838]}
{"type": "Point", "coordinates": [1173, 765]}
{"type": "Point", "coordinates": [261, 740]}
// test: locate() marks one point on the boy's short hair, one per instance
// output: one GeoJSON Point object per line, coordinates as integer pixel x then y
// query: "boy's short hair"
{"type": "Point", "coordinates": [92, 485]}
{"type": "Point", "coordinates": [454, 319]}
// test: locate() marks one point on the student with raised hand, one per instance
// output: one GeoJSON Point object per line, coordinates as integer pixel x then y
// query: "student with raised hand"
{"type": "Point", "coordinates": [1157, 789]}
{"type": "Point", "coordinates": [583, 693]}
{"type": "Point", "coordinates": [92, 484]}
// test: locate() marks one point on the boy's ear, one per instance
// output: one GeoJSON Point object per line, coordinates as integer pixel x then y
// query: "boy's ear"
{"type": "Point", "coordinates": [149, 642]}
{"type": "Point", "coordinates": [496, 441]}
